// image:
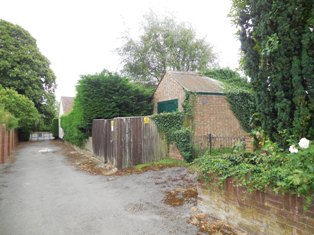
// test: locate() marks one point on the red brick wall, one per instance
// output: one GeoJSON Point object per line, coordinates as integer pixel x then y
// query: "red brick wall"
{"type": "Point", "coordinates": [213, 115]}
{"type": "Point", "coordinates": [258, 212]}
{"type": "Point", "coordinates": [8, 141]}
{"type": "Point", "coordinates": [168, 89]}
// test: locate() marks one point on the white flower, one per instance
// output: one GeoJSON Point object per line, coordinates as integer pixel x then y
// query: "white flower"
{"type": "Point", "coordinates": [293, 149]}
{"type": "Point", "coordinates": [304, 143]}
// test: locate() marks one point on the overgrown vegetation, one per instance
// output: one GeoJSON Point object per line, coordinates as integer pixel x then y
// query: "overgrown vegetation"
{"type": "Point", "coordinates": [177, 128]}
{"type": "Point", "coordinates": [268, 168]}
{"type": "Point", "coordinates": [239, 93]}
{"type": "Point", "coordinates": [104, 96]}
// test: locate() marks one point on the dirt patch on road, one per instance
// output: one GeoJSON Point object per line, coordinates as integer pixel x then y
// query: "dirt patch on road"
{"type": "Point", "coordinates": [179, 196]}
{"type": "Point", "coordinates": [213, 226]}
{"type": "Point", "coordinates": [85, 161]}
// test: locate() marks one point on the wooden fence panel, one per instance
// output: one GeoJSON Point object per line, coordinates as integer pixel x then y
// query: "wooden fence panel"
{"type": "Point", "coordinates": [2, 139]}
{"type": "Point", "coordinates": [8, 141]}
{"type": "Point", "coordinates": [128, 141]}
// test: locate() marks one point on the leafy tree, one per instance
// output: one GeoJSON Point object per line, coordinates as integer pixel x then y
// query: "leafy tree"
{"type": "Point", "coordinates": [20, 107]}
{"type": "Point", "coordinates": [277, 42]}
{"type": "Point", "coordinates": [164, 45]}
{"type": "Point", "coordinates": [24, 69]}
{"type": "Point", "coordinates": [105, 95]}
{"type": "Point", "coordinates": [7, 118]}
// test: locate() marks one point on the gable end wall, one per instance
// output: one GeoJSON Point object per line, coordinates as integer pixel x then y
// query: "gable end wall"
{"type": "Point", "coordinates": [213, 115]}
{"type": "Point", "coordinates": [169, 89]}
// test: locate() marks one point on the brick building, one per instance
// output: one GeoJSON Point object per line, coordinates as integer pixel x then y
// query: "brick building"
{"type": "Point", "coordinates": [211, 111]}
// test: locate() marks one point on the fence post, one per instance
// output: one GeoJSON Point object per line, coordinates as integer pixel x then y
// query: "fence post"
{"type": "Point", "coordinates": [210, 143]}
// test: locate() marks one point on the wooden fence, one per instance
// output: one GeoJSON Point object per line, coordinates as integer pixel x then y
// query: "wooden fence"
{"type": "Point", "coordinates": [8, 141]}
{"type": "Point", "coordinates": [125, 142]}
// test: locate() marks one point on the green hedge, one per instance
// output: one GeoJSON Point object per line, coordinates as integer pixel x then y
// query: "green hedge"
{"type": "Point", "coordinates": [55, 128]}
{"type": "Point", "coordinates": [104, 96]}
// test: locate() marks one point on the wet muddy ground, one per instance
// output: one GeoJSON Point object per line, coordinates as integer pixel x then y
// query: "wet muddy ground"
{"type": "Point", "coordinates": [53, 189]}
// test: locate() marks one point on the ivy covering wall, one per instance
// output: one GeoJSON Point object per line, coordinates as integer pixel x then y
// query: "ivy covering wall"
{"type": "Point", "coordinates": [239, 93]}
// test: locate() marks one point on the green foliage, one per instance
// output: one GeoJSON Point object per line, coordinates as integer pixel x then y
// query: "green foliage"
{"type": "Point", "coordinates": [20, 107]}
{"type": "Point", "coordinates": [269, 168]}
{"type": "Point", "coordinates": [73, 127]}
{"type": "Point", "coordinates": [169, 122]}
{"type": "Point", "coordinates": [164, 44]}
{"type": "Point", "coordinates": [105, 95]}
{"type": "Point", "coordinates": [55, 128]}
{"type": "Point", "coordinates": [172, 124]}
{"type": "Point", "coordinates": [8, 119]}
{"type": "Point", "coordinates": [239, 94]}
{"type": "Point", "coordinates": [24, 69]}
{"type": "Point", "coordinates": [277, 42]}
{"type": "Point", "coordinates": [166, 162]}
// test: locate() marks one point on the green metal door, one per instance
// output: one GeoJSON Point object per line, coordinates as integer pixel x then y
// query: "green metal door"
{"type": "Point", "coordinates": [167, 106]}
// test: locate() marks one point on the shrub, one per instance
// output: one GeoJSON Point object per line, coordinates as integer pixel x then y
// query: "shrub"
{"type": "Point", "coordinates": [22, 108]}
{"type": "Point", "coordinates": [271, 167]}
{"type": "Point", "coordinates": [7, 118]}
{"type": "Point", "coordinates": [55, 128]}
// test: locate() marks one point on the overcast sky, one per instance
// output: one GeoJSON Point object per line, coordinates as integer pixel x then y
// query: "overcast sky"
{"type": "Point", "coordinates": [80, 36]}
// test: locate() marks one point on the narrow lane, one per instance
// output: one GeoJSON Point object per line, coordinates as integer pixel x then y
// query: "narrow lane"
{"type": "Point", "coordinates": [41, 193]}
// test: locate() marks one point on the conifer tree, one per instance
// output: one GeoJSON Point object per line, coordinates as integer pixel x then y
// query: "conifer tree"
{"type": "Point", "coordinates": [277, 42]}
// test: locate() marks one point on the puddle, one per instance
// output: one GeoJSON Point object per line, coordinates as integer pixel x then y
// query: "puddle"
{"type": "Point", "coordinates": [46, 150]}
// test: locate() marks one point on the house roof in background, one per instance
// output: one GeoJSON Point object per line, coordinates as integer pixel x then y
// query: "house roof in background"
{"type": "Point", "coordinates": [195, 82]}
{"type": "Point", "coordinates": [67, 104]}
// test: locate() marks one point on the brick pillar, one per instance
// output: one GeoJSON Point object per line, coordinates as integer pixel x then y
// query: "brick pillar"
{"type": "Point", "coordinates": [249, 147]}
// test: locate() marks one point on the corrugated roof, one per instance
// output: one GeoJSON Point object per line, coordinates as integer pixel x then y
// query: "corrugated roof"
{"type": "Point", "coordinates": [67, 104]}
{"type": "Point", "coordinates": [194, 82]}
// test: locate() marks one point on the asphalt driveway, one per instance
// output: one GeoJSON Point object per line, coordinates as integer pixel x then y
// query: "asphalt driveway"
{"type": "Point", "coordinates": [42, 193]}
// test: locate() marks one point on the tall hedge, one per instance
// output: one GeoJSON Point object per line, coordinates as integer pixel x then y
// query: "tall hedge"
{"type": "Point", "coordinates": [104, 96]}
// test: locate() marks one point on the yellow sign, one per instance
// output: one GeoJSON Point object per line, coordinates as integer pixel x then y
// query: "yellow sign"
{"type": "Point", "coordinates": [112, 125]}
{"type": "Point", "coordinates": [146, 120]}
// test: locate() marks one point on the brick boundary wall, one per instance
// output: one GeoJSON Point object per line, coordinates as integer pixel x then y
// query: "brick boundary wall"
{"type": "Point", "coordinates": [258, 212]}
{"type": "Point", "coordinates": [8, 141]}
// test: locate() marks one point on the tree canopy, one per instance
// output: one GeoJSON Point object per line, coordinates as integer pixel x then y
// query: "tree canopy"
{"type": "Point", "coordinates": [164, 45]}
{"type": "Point", "coordinates": [277, 43]}
{"type": "Point", "coordinates": [104, 96]}
{"type": "Point", "coordinates": [20, 107]}
{"type": "Point", "coordinates": [24, 69]}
